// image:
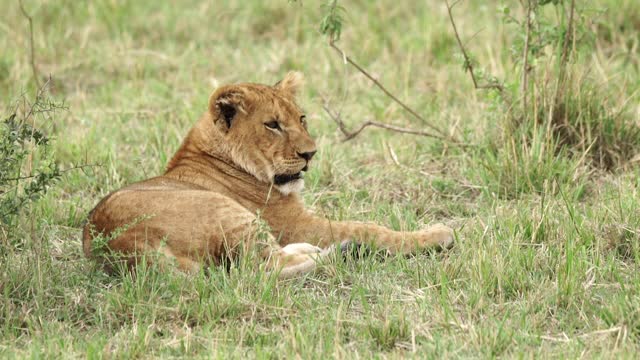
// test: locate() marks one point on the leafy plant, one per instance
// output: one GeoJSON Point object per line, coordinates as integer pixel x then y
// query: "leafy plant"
{"type": "Point", "coordinates": [331, 24]}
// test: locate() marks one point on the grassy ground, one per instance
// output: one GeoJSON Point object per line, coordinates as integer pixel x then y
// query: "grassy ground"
{"type": "Point", "coordinates": [546, 262]}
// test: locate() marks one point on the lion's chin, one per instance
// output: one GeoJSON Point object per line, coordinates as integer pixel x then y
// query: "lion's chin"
{"type": "Point", "coordinates": [294, 186]}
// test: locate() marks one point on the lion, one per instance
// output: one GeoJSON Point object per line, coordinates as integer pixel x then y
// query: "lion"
{"type": "Point", "coordinates": [240, 166]}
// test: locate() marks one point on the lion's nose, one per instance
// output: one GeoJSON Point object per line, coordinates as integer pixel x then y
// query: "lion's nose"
{"type": "Point", "coordinates": [307, 155]}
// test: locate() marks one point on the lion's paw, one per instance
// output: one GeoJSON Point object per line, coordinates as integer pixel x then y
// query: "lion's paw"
{"type": "Point", "coordinates": [300, 248]}
{"type": "Point", "coordinates": [439, 235]}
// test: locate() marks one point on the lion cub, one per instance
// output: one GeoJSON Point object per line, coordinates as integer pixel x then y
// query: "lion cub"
{"type": "Point", "coordinates": [245, 156]}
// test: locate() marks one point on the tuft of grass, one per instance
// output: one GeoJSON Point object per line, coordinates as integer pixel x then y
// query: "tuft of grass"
{"type": "Point", "coordinates": [584, 122]}
{"type": "Point", "coordinates": [528, 162]}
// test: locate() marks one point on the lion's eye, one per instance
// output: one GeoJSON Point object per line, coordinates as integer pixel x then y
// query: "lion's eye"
{"type": "Point", "coordinates": [303, 120]}
{"type": "Point", "coordinates": [273, 125]}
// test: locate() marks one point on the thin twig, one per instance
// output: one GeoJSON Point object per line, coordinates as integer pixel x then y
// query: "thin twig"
{"type": "Point", "coordinates": [77, 167]}
{"type": "Point", "coordinates": [387, 92]}
{"type": "Point", "coordinates": [34, 68]}
{"type": "Point", "coordinates": [41, 90]}
{"type": "Point", "coordinates": [525, 60]}
{"type": "Point", "coordinates": [564, 58]}
{"type": "Point", "coordinates": [467, 60]}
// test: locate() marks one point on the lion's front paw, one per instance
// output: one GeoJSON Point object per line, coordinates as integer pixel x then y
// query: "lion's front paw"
{"type": "Point", "coordinates": [438, 235]}
{"type": "Point", "coordinates": [300, 258]}
{"type": "Point", "coordinates": [300, 248]}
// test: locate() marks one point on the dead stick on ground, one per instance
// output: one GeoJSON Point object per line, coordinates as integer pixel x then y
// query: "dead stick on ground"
{"type": "Point", "coordinates": [34, 69]}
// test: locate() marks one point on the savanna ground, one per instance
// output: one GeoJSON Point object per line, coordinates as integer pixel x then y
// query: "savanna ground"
{"type": "Point", "coordinates": [547, 254]}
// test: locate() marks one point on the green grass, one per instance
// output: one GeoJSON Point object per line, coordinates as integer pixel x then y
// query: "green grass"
{"type": "Point", "coordinates": [546, 263]}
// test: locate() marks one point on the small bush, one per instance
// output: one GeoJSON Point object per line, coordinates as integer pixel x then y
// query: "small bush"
{"type": "Point", "coordinates": [27, 164]}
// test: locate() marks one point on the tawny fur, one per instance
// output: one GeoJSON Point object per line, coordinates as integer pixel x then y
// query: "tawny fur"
{"type": "Point", "coordinates": [205, 206]}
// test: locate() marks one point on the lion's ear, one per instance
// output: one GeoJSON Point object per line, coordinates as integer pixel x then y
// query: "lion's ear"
{"type": "Point", "coordinates": [224, 104]}
{"type": "Point", "coordinates": [292, 82]}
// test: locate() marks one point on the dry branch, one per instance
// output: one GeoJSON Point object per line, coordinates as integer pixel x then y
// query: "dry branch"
{"type": "Point", "coordinates": [32, 59]}
{"type": "Point", "coordinates": [348, 134]}
{"type": "Point", "coordinates": [564, 58]}
{"type": "Point", "coordinates": [333, 35]}
{"type": "Point", "coordinates": [387, 92]}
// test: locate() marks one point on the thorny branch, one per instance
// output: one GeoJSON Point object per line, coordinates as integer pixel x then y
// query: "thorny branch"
{"type": "Point", "coordinates": [39, 93]}
{"type": "Point", "coordinates": [34, 68]}
{"type": "Point", "coordinates": [467, 60]}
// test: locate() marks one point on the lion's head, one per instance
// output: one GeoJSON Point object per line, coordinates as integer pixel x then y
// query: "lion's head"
{"type": "Point", "coordinates": [264, 131]}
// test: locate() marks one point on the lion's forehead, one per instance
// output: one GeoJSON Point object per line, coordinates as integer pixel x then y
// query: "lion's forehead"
{"type": "Point", "coordinates": [268, 99]}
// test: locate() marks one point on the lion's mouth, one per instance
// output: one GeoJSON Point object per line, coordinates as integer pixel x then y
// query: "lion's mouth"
{"type": "Point", "coordinates": [285, 178]}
